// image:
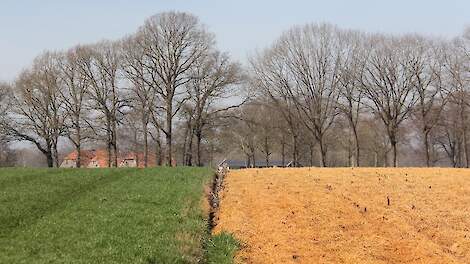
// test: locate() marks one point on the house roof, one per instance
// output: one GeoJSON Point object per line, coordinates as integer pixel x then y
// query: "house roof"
{"type": "Point", "coordinates": [101, 158]}
{"type": "Point", "coordinates": [86, 156]}
{"type": "Point", "coordinates": [139, 157]}
{"type": "Point", "coordinates": [84, 153]}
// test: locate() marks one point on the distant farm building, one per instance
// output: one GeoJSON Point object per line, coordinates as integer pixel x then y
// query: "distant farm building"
{"type": "Point", "coordinates": [134, 159]}
{"type": "Point", "coordinates": [70, 161]}
{"type": "Point", "coordinates": [99, 159]}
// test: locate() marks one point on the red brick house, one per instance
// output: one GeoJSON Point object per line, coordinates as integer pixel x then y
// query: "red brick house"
{"type": "Point", "coordinates": [99, 159]}
{"type": "Point", "coordinates": [70, 161]}
{"type": "Point", "coordinates": [134, 159]}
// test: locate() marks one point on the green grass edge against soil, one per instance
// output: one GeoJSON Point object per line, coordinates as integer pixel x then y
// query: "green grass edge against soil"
{"type": "Point", "coordinates": [221, 249]}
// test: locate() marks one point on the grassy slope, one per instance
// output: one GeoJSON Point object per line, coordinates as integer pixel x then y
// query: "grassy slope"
{"type": "Point", "coordinates": [102, 215]}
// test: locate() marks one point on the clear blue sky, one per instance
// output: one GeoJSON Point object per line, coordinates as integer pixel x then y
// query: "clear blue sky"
{"type": "Point", "coordinates": [28, 27]}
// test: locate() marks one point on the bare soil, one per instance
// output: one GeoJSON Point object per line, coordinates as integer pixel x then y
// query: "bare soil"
{"type": "Point", "coordinates": [345, 215]}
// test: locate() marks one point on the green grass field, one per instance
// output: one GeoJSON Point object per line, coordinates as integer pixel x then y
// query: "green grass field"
{"type": "Point", "coordinates": [107, 216]}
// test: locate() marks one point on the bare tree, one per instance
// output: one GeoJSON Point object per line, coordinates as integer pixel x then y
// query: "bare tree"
{"type": "Point", "coordinates": [272, 79]}
{"type": "Point", "coordinates": [389, 84]}
{"type": "Point", "coordinates": [100, 64]}
{"type": "Point", "coordinates": [458, 67]}
{"type": "Point", "coordinates": [264, 121]}
{"type": "Point", "coordinates": [142, 94]}
{"type": "Point", "coordinates": [188, 115]}
{"type": "Point", "coordinates": [265, 138]}
{"type": "Point", "coordinates": [172, 43]}
{"type": "Point", "coordinates": [74, 87]}
{"type": "Point", "coordinates": [312, 57]}
{"type": "Point", "coordinates": [36, 109]}
{"type": "Point", "coordinates": [375, 141]}
{"type": "Point", "coordinates": [156, 136]}
{"type": "Point", "coordinates": [246, 137]}
{"type": "Point", "coordinates": [449, 133]}
{"type": "Point", "coordinates": [350, 102]}
{"type": "Point", "coordinates": [428, 71]}
{"type": "Point", "coordinates": [211, 92]}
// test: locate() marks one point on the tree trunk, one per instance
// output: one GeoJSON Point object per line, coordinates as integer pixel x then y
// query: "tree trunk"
{"type": "Point", "coordinates": [146, 147]}
{"type": "Point", "coordinates": [459, 152]}
{"type": "Point", "coordinates": [114, 140]}
{"type": "Point", "coordinates": [168, 150]}
{"type": "Point", "coordinates": [376, 159]}
{"type": "Point", "coordinates": [198, 148]}
{"type": "Point", "coordinates": [55, 155]}
{"type": "Point", "coordinates": [426, 147]}
{"type": "Point", "coordinates": [294, 150]}
{"type": "Point", "coordinates": [185, 143]}
{"type": "Point", "coordinates": [394, 150]}
{"type": "Point", "coordinates": [254, 160]}
{"type": "Point", "coordinates": [252, 150]}
{"type": "Point", "coordinates": [109, 140]}
{"type": "Point", "coordinates": [158, 152]}
{"type": "Point", "coordinates": [189, 158]}
{"type": "Point", "coordinates": [78, 149]}
{"type": "Point", "coordinates": [168, 134]}
{"type": "Point", "coordinates": [109, 149]}
{"type": "Point", "coordinates": [266, 146]}
{"type": "Point", "coordinates": [385, 161]}
{"type": "Point", "coordinates": [464, 132]}
{"type": "Point", "coordinates": [49, 158]}
{"type": "Point", "coordinates": [350, 152]}
{"type": "Point", "coordinates": [464, 147]}
{"type": "Point", "coordinates": [312, 150]}
{"type": "Point", "coordinates": [196, 131]}
{"type": "Point", "coordinates": [357, 148]}
{"type": "Point", "coordinates": [454, 159]}
{"type": "Point", "coordinates": [392, 136]}
{"type": "Point", "coordinates": [283, 154]}
{"type": "Point", "coordinates": [136, 148]}
{"type": "Point", "coordinates": [322, 152]}
{"type": "Point", "coordinates": [188, 144]}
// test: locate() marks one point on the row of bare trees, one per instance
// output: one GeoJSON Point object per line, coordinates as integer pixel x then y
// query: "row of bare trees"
{"type": "Point", "coordinates": [320, 95]}
{"type": "Point", "coordinates": [323, 81]}
{"type": "Point", "coordinates": [89, 92]}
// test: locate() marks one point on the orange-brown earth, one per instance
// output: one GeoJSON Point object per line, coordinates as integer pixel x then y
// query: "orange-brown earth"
{"type": "Point", "coordinates": [313, 215]}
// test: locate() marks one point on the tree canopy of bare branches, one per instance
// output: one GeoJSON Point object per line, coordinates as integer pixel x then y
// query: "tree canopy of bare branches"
{"type": "Point", "coordinates": [36, 108]}
{"type": "Point", "coordinates": [172, 43]}
{"type": "Point", "coordinates": [388, 83]}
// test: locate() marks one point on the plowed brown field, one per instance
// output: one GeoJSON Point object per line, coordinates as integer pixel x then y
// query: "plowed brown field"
{"type": "Point", "coordinates": [342, 215]}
